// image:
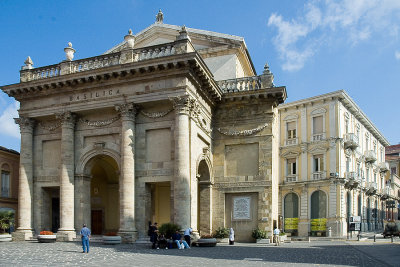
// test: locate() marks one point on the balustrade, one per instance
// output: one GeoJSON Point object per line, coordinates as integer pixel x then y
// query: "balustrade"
{"type": "Point", "coordinates": [318, 137]}
{"type": "Point", "coordinates": [291, 178]}
{"type": "Point", "coordinates": [318, 175]}
{"type": "Point", "coordinates": [240, 84]}
{"type": "Point", "coordinates": [292, 141]}
{"type": "Point", "coordinates": [139, 54]}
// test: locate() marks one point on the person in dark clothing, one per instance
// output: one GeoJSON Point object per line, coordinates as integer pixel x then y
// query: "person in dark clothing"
{"type": "Point", "coordinates": [154, 235]}
{"type": "Point", "coordinates": [162, 242]}
{"type": "Point", "coordinates": [178, 240]}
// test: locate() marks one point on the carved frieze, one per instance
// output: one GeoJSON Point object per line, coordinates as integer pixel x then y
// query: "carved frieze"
{"type": "Point", "coordinates": [154, 115]}
{"type": "Point", "coordinates": [233, 132]}
{"type": "Point", "coordinates": [243, 184]}
{"type": "Point", "coordinates": [100, 123]}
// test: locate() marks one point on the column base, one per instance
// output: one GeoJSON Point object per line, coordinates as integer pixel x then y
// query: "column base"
{"type": "Point", "coordinates": [22, 235]}
{"type": "Point", "coordinates": [128, 236]}
{"type": "Point", "coordinates": [65, 235]}
{"type": "Point", "coordinates": [303, 228]}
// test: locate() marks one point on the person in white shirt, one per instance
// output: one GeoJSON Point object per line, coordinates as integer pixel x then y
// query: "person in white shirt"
{"type": "Point", "coordinates": [276, 236]}
{"type": "Point", "coordinates": [186, 235]}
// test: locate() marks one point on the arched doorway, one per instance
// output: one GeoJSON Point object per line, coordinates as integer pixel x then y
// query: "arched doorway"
{"type": "Point", "coordinates": [104, 194]}
{"type": "Point", "coordinates": [204, 198]}
{"type": "Point", "coordinates": [318, 213]}
{"type": "Point", "coordinates": [291, 213]}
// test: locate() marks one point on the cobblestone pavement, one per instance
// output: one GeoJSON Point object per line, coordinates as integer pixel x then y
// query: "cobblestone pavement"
{"type": "Point", "coordinates": [332, 253]}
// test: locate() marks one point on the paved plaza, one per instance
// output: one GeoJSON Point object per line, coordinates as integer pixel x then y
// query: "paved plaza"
{"type": "Point", "coordinates": [330, 253]}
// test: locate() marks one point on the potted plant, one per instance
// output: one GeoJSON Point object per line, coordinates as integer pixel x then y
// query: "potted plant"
{"type": "Point", "coordinates": [6, 222]}
{"type": "Point", "coordinates": [222, 234]}
{"type": "Point", "coordinates": [260, 236]}
{"type": "Point", "coordinates": [111, 238]}
{"type": "Point", "coordinates": [46, 237]}
{"type": "Point", "coordinates": [206, 241]}
{"type": "Point", "coordinates": [168, 229]}
{"type": "Point", "coordinates": [282, 236]}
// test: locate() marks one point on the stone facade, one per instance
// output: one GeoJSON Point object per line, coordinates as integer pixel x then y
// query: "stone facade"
{"type": "Point", "coordinates": [329, 147]}
{"type": "Point", "coordinates": [9, 165]}
{"type": "Point", "coordinates": [172, 125]}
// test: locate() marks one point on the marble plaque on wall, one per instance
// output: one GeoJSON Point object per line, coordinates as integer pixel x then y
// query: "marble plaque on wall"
{"type": "Point", "coordinates": [241, 208]}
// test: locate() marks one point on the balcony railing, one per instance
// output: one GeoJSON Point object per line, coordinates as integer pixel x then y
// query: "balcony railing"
{"type": "Point", "coordinates": [291, 178]}
{"type": "Point", "coordinates": [371, 188]}
{"type": "Point", "coordinates": [350, 141]}
{"type": "Point", "coordinates": [370, 156]}
{"type": "Point", "coordinates": [318, 137]}
{"type": "Point", "coordinates": [319, 175]}
{"type": "Point", "coordinates": [351, 175]}
{"type": "Point", "coordinates": [383, 166]}
{"type": "Point", "coordinates": [291, 142]}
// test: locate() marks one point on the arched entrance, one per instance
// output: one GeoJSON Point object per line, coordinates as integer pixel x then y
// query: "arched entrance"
{"type": "Point", "coordinates": [104, 194]}
{"type": "Point", "coordinates": [291, 213]}
{"type": "Point", "coordinates": [204, 198]}
{"type": "Point", "coordinates": [318, 213]}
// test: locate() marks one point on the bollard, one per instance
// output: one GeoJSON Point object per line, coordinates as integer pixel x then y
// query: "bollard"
{"type": "Point", "coordinates": [374, 238]}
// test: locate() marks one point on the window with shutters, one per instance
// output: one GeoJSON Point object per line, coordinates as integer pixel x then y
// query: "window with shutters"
{"type": "Point", "coordinates": [291, 130]}
{"type": "Point", "coordinates": [291, 167]}
{"type": "Point", "coordinates": [318, 163]}
{"type": "Point", "coordinates": [317, 124]}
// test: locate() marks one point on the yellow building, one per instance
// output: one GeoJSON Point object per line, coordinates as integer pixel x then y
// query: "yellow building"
{"type": "Point", "coordinates": [332, 164]}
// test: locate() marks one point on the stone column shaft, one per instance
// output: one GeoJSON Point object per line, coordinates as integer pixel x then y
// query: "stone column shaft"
{"type": "Point", "coordinates": [182, 205]}
{"type": "Point", "coordinates": [67, 177]}
{"type": "Point", "coordinates": [127, 179]}
{"type": "Point", "coordinates": [25, 187]}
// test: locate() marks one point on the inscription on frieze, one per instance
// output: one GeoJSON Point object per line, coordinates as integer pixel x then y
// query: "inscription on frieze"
{"type": "Point", "coordinates": [94, 95]}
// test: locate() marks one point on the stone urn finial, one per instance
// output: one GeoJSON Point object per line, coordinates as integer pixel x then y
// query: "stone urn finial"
{"type": "Point", "coordinates": [266, 69]}
{"type": "Point", "coordinates": [130, 39]}
{"type": "Point", "coordinates": [159, 17]}
{"type": "Point", "coordinates": [183, 34]}
{"type": "Point", "coordinates": [28, 64]}
{"type": "Point", "coordinates": [69, 52]}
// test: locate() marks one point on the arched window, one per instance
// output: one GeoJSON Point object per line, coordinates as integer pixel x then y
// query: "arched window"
{"type": "Point", "coordinates": [318, 205]}
{"type": "Point", "coordinates": [291, 206]}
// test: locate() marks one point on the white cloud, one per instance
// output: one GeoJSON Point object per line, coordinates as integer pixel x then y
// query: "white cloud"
{"type": "Point", "coordinates": [397, 55]}
{"type": "Point", "coordinates": [346, 21]}
{"type": "Point", "coordinates": [7, 123]}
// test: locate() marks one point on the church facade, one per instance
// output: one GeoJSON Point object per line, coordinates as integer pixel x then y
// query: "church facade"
{"type": "Point", "coordinates": [171, 125]}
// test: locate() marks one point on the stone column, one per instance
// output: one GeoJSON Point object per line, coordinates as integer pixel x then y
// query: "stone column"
{"type": "Point", "coordinates": [182, 203]}
{"type": "Point", "coordinates": [304, 223]}
{"type": "Point", "coordinates": [25, 188]}
{"type": "Point", "coordinates": [82, 201]}
{"type": "Point", "coordinates": [66, 232]}
{"type": "Point", "coordinates": [127, 228]}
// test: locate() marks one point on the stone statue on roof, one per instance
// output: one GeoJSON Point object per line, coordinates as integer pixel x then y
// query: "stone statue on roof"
{"type": "Point", "coordinates": [159, 17]}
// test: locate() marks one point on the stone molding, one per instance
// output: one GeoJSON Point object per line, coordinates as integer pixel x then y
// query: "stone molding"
{"type": "Point", "coordinates": [25, 124]}
{"type": "Point", "coordinates": [249, 184]}
{"type": "Point", "coordinates": [232, 132]}
{"type": "Point", "coordinates": [100, 123]}
{"type": "Point", "coordinates": [154, 115]}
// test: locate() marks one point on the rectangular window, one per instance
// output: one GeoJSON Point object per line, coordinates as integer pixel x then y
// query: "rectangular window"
{"type": "Point", "coordinates": [317, 125]}
{"type": "Point", "coordinates": [366, 143]}
{"type": "Point", "coordinates": [346, 126]}
{"type": "Point", "coordinates": [374, 177]}
{"type": "Point", "coordinates": [5, 184]}
{"type": "Point", "coordinates": [291, 167]}
{"type": "Point", "coordinates": [347, 164]}
{"type": "Point", "coordinates": [318, 163]}
{"type": "Point", "coordinates": [367, 174]}
{"type": "Point", "coordinates": [291, 130]}
{"type": "Point", "coordinates": [393, 170]}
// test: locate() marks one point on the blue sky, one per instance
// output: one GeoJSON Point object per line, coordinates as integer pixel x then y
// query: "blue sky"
{"type": "Point", "coordinates": [312, 47]}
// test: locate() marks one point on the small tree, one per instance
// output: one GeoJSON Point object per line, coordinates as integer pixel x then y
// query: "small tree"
{"type": "Point", "coordinates": [221, 232]}
{"type": "Point", "coordinates": [6, 220]}
{"type": "Point", "coordinates": [259, 234]}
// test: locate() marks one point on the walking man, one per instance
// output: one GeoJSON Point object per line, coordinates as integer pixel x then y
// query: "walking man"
{"type": "Point", "coordinates": [85, 234]}
{"type": "Point", "coordinates": [276, 236]}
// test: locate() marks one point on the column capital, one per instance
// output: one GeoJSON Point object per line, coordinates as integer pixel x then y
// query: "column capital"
{"type": "Point", "coordinates": [25, 124]}
{"type": "Point", "coordinates": [184, 104]}
{"type": "Point", "coordinates": [127, 111]}
{"type": "Point", "coordinates": [67, 118]}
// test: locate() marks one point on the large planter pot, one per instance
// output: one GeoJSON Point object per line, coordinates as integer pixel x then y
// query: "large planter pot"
{"type": "Point", "coordinates": [207, 242]}
{"type": "Point", "coordinates": [263, 241]}
{"type": "Point", "coordinates": [222, 240]}
{"type": "Point", "coordinates": [111, 240]}
{"type": "Point", "coordinates": [5, 238]}
{"type": "Point", "coordinates": [282, 238]}
{"type": "Point", "coordinates": [46, 238]}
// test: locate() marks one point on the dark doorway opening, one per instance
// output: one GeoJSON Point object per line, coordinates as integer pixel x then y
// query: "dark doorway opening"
{"type": "Point", "coordinates": [55, 214]}
{"type": "Point", "coordinates": [97, 222]}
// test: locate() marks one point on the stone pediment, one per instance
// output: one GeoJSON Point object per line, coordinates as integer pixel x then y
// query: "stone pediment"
{"type": "Point", "coordinates": [290, 152]}
{"type": "Point", "coordinates": [318, 148]}
{"type": "Point", "coordinates": [159, 33]}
